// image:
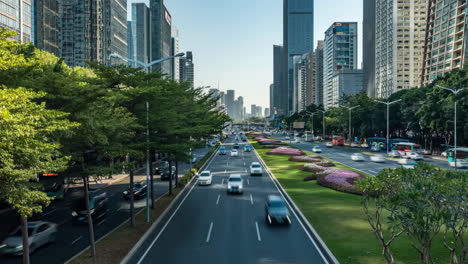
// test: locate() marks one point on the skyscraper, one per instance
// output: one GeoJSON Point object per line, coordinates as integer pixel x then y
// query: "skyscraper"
{"type": "Point", "coordinates": [46, 25]}
{"type": "Point", "coordinates": [272, 86]}
{"type": "Point", "coordinates": [229, 101]}
{"type": "Point", "coordinates": [368, 46]}
{"type": "Point", "coordinates": [139, 34]}
{"type": "Point", "coordinates": [399, 44]}
{"type": "Point", "coordinates": [267, 112]}
{"type": "Point", "coordinates": [16, 15]}
{"type": "Point", "coordinates": [319, 73]}
{"type": "Point", "coordinates": [253, 110]}
{"type": "Point", "coordinates": [446, 39]}
{"type": "Point", "coordinates": [92, 30]}
{"type": "Point", "coordinates": [161, 36]}
{"type": "Point", "coordinates": [186, 69]}
{"type": "Point", "coordinates": [298, 37]}
{"type": "Point", "coordinates": [175, 50]}
{"type": "Point", "coordinates": [340, 52]}
{"type": "Point", "coordinates": [345, 82]}
{"type": "Point", "coordinates": [280, 91]}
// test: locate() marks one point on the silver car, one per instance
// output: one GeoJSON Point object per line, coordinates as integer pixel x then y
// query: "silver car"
{"type": "Point", "coordinates": [235, 184]}
{"type": "Point", "coordinates": [39, 233]}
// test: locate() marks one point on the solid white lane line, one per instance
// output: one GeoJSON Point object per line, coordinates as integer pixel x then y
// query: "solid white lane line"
{"type": "Point", "coordinates": [209, 233]}
{"type": "Point", "coordinates": [102, 222]}
{"type": "Point", "coordinates": [225, 171]}
{"type": "Point", "coordinates": [251, 199]}
{"type": "Point", "coordinates": [258, 232]}
{"type": "Point", "coordinates": [76, 240]}
{"type": "Point", "coordinates": [217, 201]}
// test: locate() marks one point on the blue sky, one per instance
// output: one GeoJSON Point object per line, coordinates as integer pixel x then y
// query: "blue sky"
{"type": "Point", "coordinates": [232, 40]}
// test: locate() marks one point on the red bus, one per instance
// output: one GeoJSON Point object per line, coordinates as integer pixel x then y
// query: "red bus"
{"type": "Point", "coordinates": [338, 141]}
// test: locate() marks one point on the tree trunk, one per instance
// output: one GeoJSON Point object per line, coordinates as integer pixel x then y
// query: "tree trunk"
{"type": "Point", "coordinates": [151, 187]}
{"type": "Point", "coordinates": [170, 177]}
{"type": "Point", "coordinates": [132, 200]}
{"type": "Point", "coordinates": [90, 219]}
{"type": "Point", "coordinates": [425, 253]}
{"type": "Point", "coordinates": [388, 255]}
{"type": "Point", "coordinates": [111, 166]}
{"type": "Point", "coordinates": [24, 232]}
{"type": "Point", "coordinates": [176, 174]}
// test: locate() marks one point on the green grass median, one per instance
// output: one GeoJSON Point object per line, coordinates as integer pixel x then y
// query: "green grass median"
{"type": "Point", "coordinates": [338, 217]}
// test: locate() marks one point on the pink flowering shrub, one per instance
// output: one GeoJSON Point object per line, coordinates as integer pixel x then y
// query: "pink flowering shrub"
{"type": "Point", "coordinates": [325, 163]}
{"type": "Point", "coordinates": [305, 158]}
{"type": "Point", "coordinates": [285, 151]}
{"type": "Point", "coordinates": [310, 177]}
{"type": "Point", "coordinates": [271, 146]}
{"type": "Point", "coordinates": [340, 180]}
{"type": "Point", "coordinates": [312, 167]}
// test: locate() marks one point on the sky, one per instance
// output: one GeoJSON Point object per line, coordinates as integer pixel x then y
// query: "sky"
{"type": "Point", "coordinates": [232, 40]}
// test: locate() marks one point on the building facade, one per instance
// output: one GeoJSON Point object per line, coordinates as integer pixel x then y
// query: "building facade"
{"type": "Point", "coordinates": [298, 38]}
{"type": "Point", "coordinates": [161, 42]}
{"type": "Point", "coordinates": [280, 90]}
{"type": "Point", "coordinates": [115, 31]}
{"type": "Point", "coordinates": [400, 31]}
{"type": "Point", "coordinates": [368, 46]}
{"type": "Point", "coordinates": [272, 86]}
{"type": "Point", "coordinates": [319, 73]}
{"type": "Point", "coordinates": [267, 112]}
{"type": "Point", "coordinates": [139, 35]}
{"type": "Point", "coordinates": [304, 81]}
{"type": "Point", "coordinates": [446, 38]}
{"type": "Point", "coordinates": [346, 82]}
{"type": "Point", "coordinates": [229, 101]}
{"type": "Point", "coordinates": [17, 16]}
{"type": "Point", "coordinates": [46, 25]}
{"type": "Point", "coordinates": [175, 49]}
{"type": "Point", "coordinates": [186, 69]}
{"type": "Point", "coordinates": [340, 52]}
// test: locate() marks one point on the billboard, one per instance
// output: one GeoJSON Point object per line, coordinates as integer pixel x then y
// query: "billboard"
{"type": "Point", "coordinates": [298, 125]}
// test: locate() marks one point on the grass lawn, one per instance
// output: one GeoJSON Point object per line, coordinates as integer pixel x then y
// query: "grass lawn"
{"type": "Point", "coordinates": [338, 217]}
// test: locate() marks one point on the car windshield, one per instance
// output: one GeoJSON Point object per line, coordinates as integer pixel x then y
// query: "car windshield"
{"type": "Point", "coordinates": [234, 179]}
{"type": "Point", "coordinates": [255, 166]}
{"type": "Point", "coordinates": [205, 174]}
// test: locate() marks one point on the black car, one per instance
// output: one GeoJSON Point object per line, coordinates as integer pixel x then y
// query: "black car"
{"type": "Point", "coordinates": [165, 172]}
{"type": "Point", "coordinates": [244, 140]}
{"type": "Point", "coordinates": [276, 210]}
{"type": "Point", "coordinates": [236, 145]}
{"type": "Point", "coordinates": [139, 191]}
{"type": "Point", "coordinates": [97, 206]}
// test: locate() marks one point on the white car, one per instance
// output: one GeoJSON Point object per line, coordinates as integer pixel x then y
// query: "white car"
{"type": "Point", "coordinates": [393, 154]}
{"type": "Point", "coordinates": [415, 156]}
{"type": "Point", "coordinates": [329, 144]}
{"type": "Point", "coordinates": [234, 153]}
{"type": "Point", "coordinates": [377, 158]}
{"type": "Point", "coordinates": [256, 169]}
{"type": "Point", "coordinates": [357, 157]}
{"type": "Point", "coordinates": [407, 163]}
{"type": "Point", "coordinates": [205, 178]}
{"type": "Point", "coordinates": [316, 149]}
{"type": "Point", "coordinates": [287, 138]}
{"type": "Point", "coordinates": [40, 233]}
{"type": "Point", "coordinates": [235, 184]}
{"type": "Point", "coordinates": [296, 141]}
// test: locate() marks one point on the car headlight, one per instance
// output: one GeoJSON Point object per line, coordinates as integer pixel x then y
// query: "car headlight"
{"type": "Point", "coordinates": [2, 245]}
{"type": "Point", "coordinates": [74, 214]}
{"type": "Point", "coordinates": [19, 247]}
{"type": "Point", "coordinates": [229, 187]}
{"type": "Point", "coordinates": [240, 186]}
{"type": "Point", "coordinates": [125, 192]}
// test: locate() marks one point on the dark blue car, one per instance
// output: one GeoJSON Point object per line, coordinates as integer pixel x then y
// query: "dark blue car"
{"type": "Point", "coordinates": [276, 210]}
{"type": "Point", "coordinates": [222, 151]}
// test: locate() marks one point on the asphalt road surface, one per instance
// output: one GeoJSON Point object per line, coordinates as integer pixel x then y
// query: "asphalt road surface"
{"type": "Point", "coordinates": [73, 237]}
{"type": "Point", "coordinates": [209, 226]}
{"type": "Point", "coordinates": [343, 155]}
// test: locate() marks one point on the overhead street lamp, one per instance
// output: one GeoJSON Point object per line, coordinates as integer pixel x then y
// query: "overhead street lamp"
{"type": "Point", "coordinates": [388, 115]}
{"type": "Point", "coordinates": [145, 67]}
{"type": "Point", "coordinates": [455, 92]}
{"type": "Point", "coordinates": [350, 108]}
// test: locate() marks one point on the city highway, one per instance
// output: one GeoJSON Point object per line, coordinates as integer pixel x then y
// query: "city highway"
{"type": "Point", "coordinates": [343, 155]}
{"type": "Point", "coordinates": [73, 237]}
{"type": "Point", "coordinates": [209, 226]}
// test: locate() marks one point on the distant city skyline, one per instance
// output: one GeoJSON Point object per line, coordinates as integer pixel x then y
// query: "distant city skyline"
{"type": "Point", "coordinates": [233, 45]}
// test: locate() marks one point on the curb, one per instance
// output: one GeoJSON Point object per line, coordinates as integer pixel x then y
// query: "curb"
{"type": "Point", "coordinates": [130, 254]}
{"type": "Point", "coordinates": [322, 247]}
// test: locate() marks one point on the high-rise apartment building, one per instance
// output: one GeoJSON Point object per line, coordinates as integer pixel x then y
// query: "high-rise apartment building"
{"type": "Point", "coordinates": [400, 31]}
{"type": "Point", "coordinates": [139, 35]}
{"type": "Point", "coordinates": [446, 38]}
{"type": "Point", "coordinates": [267, 112]}
{"type": "Point", "coordinates": [229, 101]}
{"type": "Point", "coordinates": [304, 81]}
{"type": "Point", "coordinates": [161, 36]}
{"type": "Point", "coordinates": [368, 46]}
{"type": "Point", "coordinates": [298, 38]}
{"type": "Point", "coordinates": [345, 82]}
{"type": "Point", "coordinates": [17, 16]}
{"type": "Point", "coordinates": [340, 52]}
{"type": "Point", "coordinates": [253, 110]}
{"type": "Point", "coordinates": [186, 69]}
{"type": "Point", "coordinates": [46, 25]}
{"type": "Point", "coordinates": [280, 90]}
{"type": "Point", "coordinates": [319, 73]}
{"type": "Point", "coordinates": [175, 48]}
{"type": "Point", "coordinates": [93, 30]}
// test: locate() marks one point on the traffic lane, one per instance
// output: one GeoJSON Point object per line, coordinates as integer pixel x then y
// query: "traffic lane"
{"type": "Point", "coordinates": [72, 237]}
{"type": "Point", "coordinates": [229, 228]}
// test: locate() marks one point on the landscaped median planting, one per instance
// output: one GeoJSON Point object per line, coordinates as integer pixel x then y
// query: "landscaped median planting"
{"type": "Point", "coordinates": [286, 151]}
{"type": "Point", "coordinates": [306, 158]}
{"type": "Point", "coordinates": [340, 180]}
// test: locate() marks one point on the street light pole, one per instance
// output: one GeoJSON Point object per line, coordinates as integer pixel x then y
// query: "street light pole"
{"type": "Point", "coordinates": [323, 122]}
{"type": "Point", "coordinates": [455, 92]}
{"type": "Point", "coordinates": [145, 67]}
{"type": "Point", "coordinates": [388, 118]}
{"type": "Point", "coordinates": [350, 108]}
